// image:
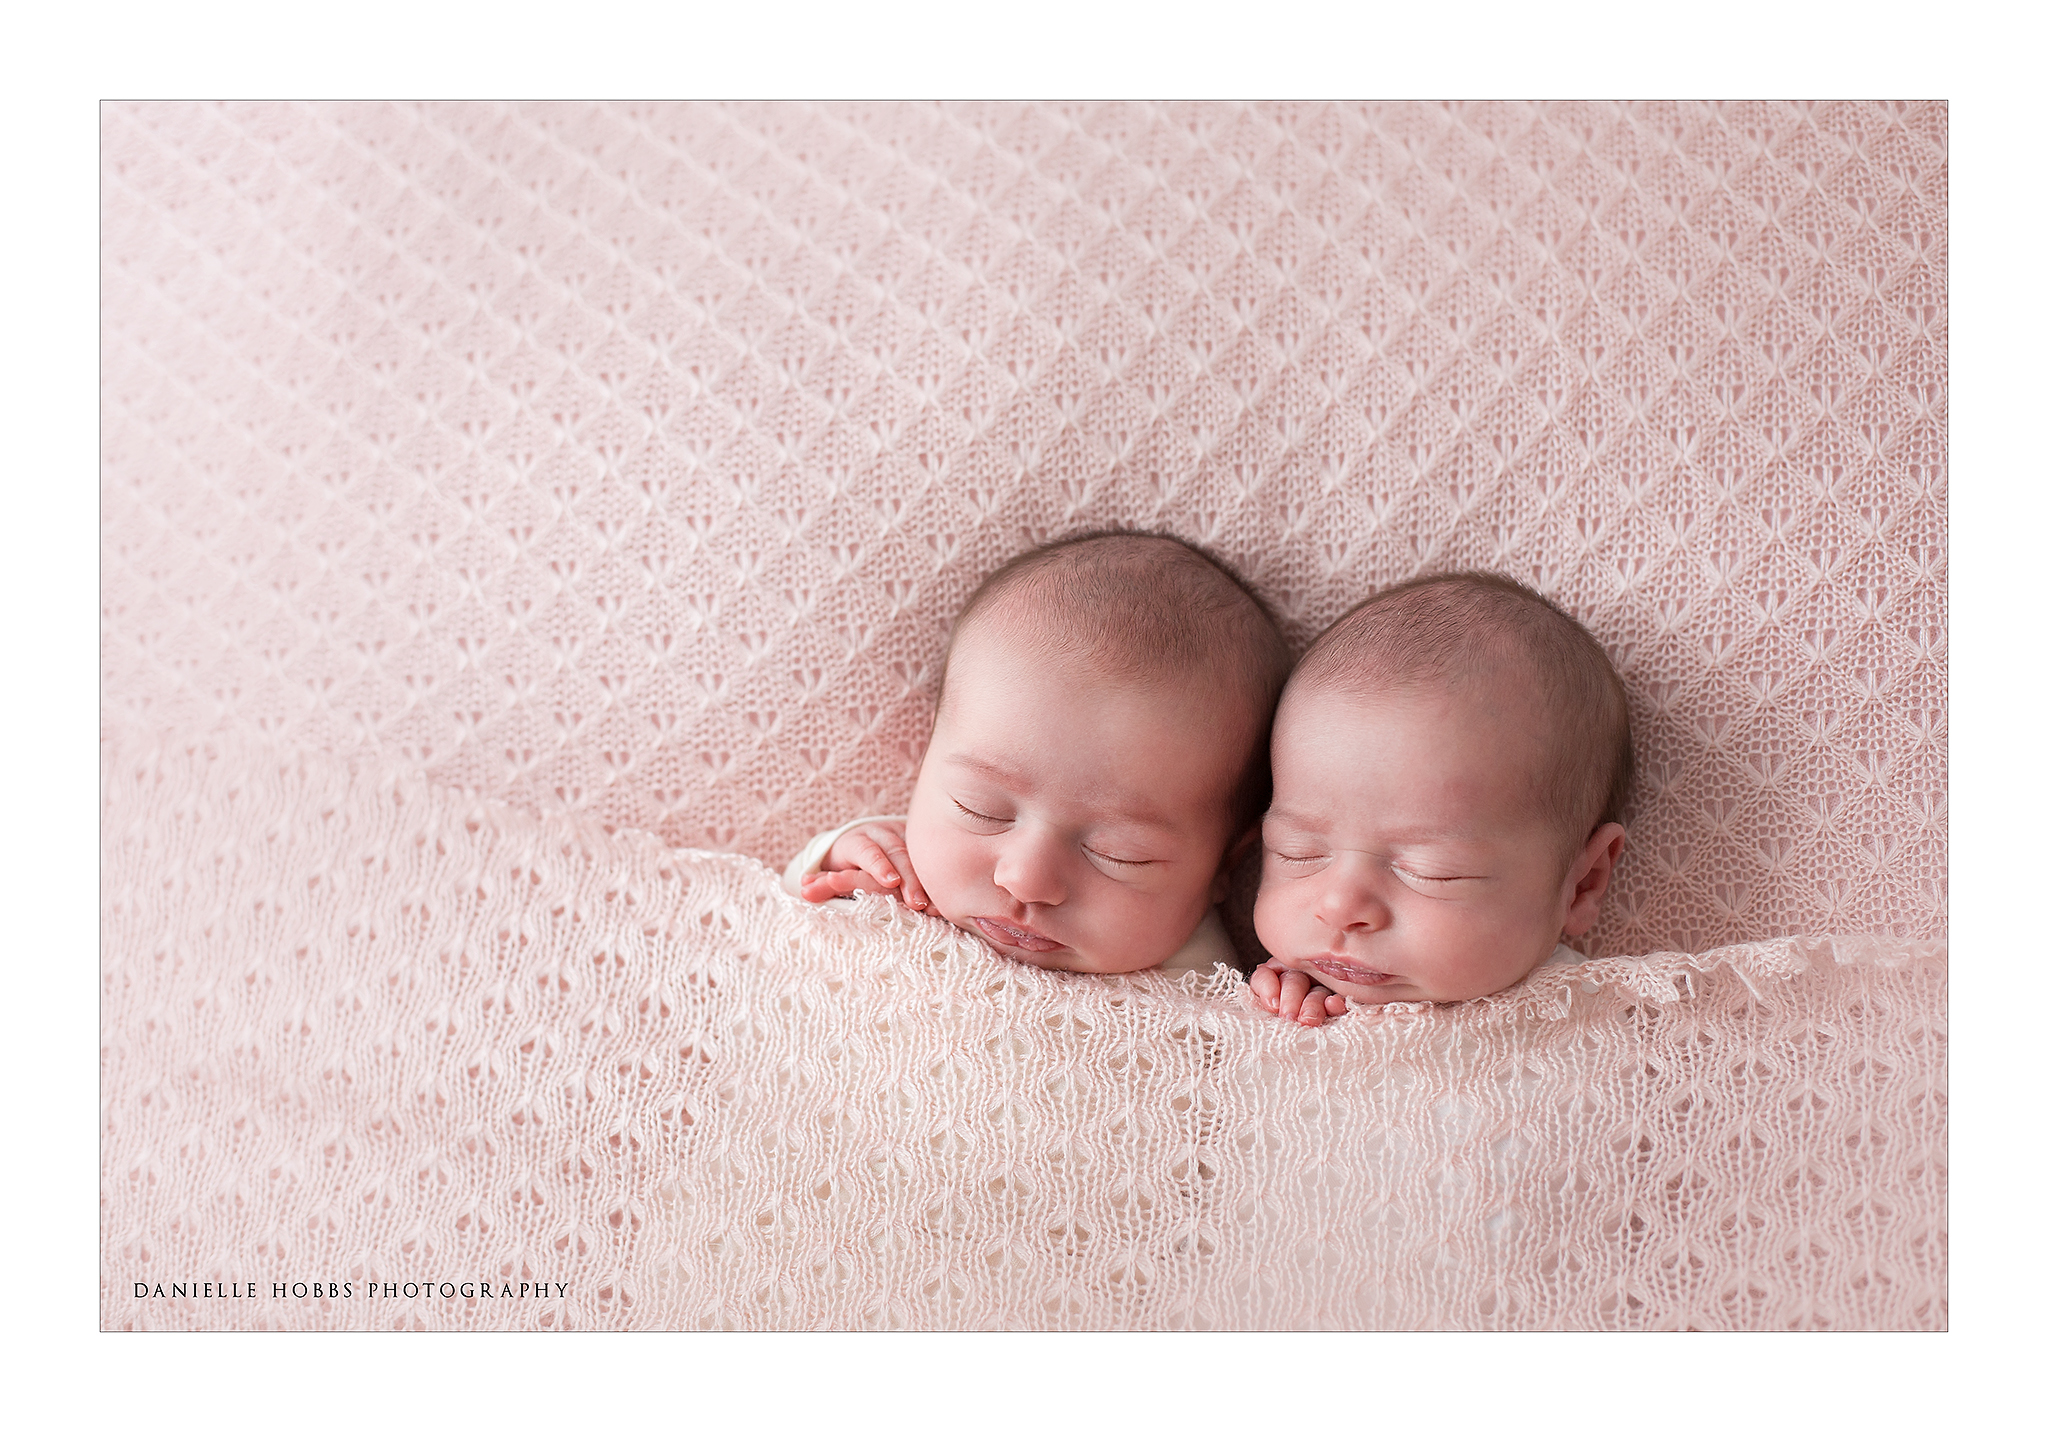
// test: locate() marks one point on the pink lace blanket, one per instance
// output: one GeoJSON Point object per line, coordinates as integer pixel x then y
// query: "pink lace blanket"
{"type": "Point", "coordinates": [366, 1031]}
{"type": "Point", "coordinates": [520, 522]}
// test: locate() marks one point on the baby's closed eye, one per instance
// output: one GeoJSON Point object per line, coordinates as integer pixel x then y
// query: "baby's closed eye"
{"type": "Point", "coordinates": [973, 814]}
{"type": "Point", "coordinates": [1431, 882]}
{"type": "Point", "coordinates": [1118, 861]}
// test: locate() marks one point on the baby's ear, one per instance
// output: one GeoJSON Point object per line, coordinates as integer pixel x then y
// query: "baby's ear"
{"type": "Point", "coordinates": [1585, 884]}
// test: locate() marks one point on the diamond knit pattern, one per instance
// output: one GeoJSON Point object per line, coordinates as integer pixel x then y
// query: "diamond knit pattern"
{"type": "Point", "coordinates": [519, 521]}
{"type": "Point", "coordinates": [628, 461]}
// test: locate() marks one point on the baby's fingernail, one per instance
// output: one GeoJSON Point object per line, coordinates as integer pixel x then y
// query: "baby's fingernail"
{"type": "Point", "coordinates": [891, 878]}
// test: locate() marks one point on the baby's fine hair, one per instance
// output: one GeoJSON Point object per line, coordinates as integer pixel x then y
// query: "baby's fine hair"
{"type": "Point", "coordinates": [1150, 608]}
{"type": "Point", "coordinates": [1439, 631]}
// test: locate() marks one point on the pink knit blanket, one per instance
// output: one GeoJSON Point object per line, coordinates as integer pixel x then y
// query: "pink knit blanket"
{"type": "Point", "coordinates": [520, 522]}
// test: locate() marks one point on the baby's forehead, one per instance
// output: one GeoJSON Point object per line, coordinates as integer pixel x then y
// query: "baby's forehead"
{"type": "Point", "coordinates": [1035, 640]}
{"type": "Point", "coordinates": [1510, 687]}
{"type": "Point", "coordinates": [1499, 757]}
{"type": "Point", "coordinates": [1479, 722]}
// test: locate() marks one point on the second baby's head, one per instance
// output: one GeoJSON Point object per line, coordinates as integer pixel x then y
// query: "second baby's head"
{"type": "Point", "coordinates": [1450, 762]}
{"type": "Point", "coordinates": [1099, 749]}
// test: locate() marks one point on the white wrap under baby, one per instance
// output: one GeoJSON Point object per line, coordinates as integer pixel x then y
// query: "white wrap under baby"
{"type": "Point", "coordinates": [361, 1027]}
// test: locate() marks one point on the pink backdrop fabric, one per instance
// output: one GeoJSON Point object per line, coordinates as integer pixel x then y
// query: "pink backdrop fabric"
{"type": "Point", "coordinates": [632, 459]}
{"type": "Point", "coordinates": [520, 521]}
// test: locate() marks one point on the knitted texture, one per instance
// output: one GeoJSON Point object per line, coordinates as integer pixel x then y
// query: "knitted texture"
{"type": "Point", "coordinates": [519, 522]}
{"type": "Point", "coordinates": [632, 459]}
{"type": "Point", "coordinates": [364, 1030]}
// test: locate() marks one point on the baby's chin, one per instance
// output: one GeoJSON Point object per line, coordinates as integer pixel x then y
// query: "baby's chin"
{"type": "Point", "coordinates": [1082, 962]}
{"type": "Point", "coordinates": [1070, 959]}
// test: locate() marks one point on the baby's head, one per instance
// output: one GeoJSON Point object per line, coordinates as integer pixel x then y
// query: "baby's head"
{"type": "Point", "coordinates": [1099, 749]}
{"type": "Point", "coordinates": [1450, 761]}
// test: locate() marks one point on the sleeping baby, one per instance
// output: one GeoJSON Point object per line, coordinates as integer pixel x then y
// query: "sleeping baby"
{"type": "Point", "coordinates": [1096, 763]}
{"type": "Point", "coordinates": [1450, 761]}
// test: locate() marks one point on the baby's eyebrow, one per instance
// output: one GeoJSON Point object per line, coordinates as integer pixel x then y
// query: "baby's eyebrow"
{"type": "Point", "coordinates": [1009, 775]}
{"type": "Point", "coordinates": [1135, 812]}
{"type": "Point", "coordinates": [1429, 835]}
{"type": "Point", "coordinates": [1404, 835]}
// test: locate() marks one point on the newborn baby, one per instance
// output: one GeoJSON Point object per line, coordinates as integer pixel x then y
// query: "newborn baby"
{"type": "Point", "coordinates": [1097, 758]}
{"type": "Point", "coordinates": [1450, 761]}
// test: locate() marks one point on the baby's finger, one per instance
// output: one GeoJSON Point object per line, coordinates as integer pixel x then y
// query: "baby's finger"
{"type": "Point", "coordinates": [1320, 1006]}
{"type": "Point", "coordinates": [845, 882]}
{"type": "Point", "coordinates": [1294, 988]}
{"type": "Point", "coordinates": [913, 892]}
{"type": "Point", "coordinates": [888, 839]}
{"type": "Point", "coordinates": [865, 852]}
{"type": "Point", "coordinates": [1265, 984]}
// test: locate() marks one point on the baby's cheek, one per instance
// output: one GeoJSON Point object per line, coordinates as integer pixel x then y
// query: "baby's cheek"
{"type": "Point", "coordinates": [1272, 919]}
{"type": "Point", "coordinates": [1127, 930]}
{"type": "Point", "coordinates": [943, 867]}
{"type": "Point", "coordinates": [1478, 958]}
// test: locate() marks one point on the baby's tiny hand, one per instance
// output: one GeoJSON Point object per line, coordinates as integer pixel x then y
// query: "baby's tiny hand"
{"type": "Point", "coordinates": [870, 857]}
{"type": "Point", "coordinates": [1293, 995]}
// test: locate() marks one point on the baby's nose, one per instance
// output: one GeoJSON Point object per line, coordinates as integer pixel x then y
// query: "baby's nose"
{"type": "Point", "coordinates": [1349, 900]}
{"type": "Point", "coordinates": [1031, 870]}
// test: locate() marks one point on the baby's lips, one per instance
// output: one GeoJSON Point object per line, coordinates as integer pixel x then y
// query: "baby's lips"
{"type": "Point", "coordinates": [1004, 933]}
{"type": "Point", "coordinates": [1347, 973]}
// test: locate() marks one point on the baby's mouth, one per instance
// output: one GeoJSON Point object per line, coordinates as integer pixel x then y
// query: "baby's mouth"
{"type": "Point", "coordinates": [1345, 972]}
{"type": "Point", "coordinates": [1016, 937]}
